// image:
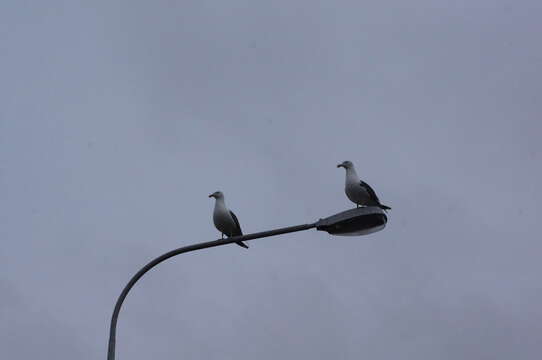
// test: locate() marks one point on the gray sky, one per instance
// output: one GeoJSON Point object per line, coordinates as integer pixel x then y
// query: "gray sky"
{"type": "Point", "coordinates": [117, 119]}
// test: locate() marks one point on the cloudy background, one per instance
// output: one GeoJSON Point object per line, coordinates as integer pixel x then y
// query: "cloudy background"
{"type": "Point", "coordinates": [118, 118]}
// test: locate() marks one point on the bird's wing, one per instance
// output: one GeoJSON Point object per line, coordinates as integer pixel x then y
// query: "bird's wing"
{"type": "Point", "coordinates": [370, 190]}
{"type": "Point", "coordinates": [237, 225]}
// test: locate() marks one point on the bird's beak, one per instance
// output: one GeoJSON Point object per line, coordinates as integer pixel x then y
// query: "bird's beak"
{"type": "Point", "coordinates": [340, 165]}
{"type": "Point", "coordinates": [212, 195]}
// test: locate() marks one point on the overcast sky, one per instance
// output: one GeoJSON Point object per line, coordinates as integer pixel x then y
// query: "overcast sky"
{"type": "Point", "coordinates": [118, 118]}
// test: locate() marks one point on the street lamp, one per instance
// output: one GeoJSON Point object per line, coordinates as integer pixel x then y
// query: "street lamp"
{"type": "Point", "coordinates": [359, 221]}
{"type": "Point", "coordinates": [355, 222]}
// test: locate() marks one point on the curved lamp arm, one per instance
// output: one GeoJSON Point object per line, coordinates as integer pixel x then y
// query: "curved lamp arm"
{"type": "Point", "coordinates": [158, 260]}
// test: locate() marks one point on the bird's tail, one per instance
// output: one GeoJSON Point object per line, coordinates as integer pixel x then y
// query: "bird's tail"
{"type": "Point", "coordinates": [384, 207]}
{"type": "Point", "coordinates": [242, 244]}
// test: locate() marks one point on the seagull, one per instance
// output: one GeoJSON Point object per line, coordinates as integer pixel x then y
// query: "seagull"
{"type": "Point", "coordinates": [225, 220]}
{"type": "Point", "coordinates": [358, 191]}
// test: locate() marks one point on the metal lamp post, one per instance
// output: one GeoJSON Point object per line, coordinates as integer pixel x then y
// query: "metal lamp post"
{"type": "Point", "coordinates": [359, 221]}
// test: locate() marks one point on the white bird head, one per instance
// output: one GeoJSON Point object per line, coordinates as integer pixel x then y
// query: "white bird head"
{"type": "Point", "coordinates": [346, 164]}
{"type": "Point", "coordinates": [217, 195]}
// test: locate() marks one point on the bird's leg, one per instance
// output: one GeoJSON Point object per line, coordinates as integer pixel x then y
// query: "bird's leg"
{"type": "Point", "coordinates": [222, 235]}
{"type": "Point", "coordinates": [357, 206]}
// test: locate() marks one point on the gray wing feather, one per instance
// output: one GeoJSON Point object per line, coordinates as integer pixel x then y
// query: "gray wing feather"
{"type": "Point", "coordinates": [238, 230]}
{"type": "Point", "coordinates": [370, 190]}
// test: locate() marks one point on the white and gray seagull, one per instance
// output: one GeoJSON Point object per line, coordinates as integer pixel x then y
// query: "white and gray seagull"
{"type": "Point", "coordinates": [358, 191]}
{"type": "Point", "coordinates": [225, 220]}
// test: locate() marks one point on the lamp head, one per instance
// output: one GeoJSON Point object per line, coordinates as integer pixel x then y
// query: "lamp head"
{"type": "Point", "coordinates": [354, 222]}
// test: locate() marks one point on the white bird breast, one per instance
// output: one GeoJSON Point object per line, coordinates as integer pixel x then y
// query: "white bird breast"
{"type": "Point", "coordinates": [356, 193]}
{"type": "Point", "coordinates": [223, 221]}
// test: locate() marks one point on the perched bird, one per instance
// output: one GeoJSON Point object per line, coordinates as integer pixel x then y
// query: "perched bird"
{"type": "Point", "coordinates": [225, 220]}
{"type": "Point", "coordinates": [358, 191]}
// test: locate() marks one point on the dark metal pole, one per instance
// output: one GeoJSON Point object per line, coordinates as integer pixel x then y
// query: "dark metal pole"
{"type": "Point", "coordinates": [204, 245]}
